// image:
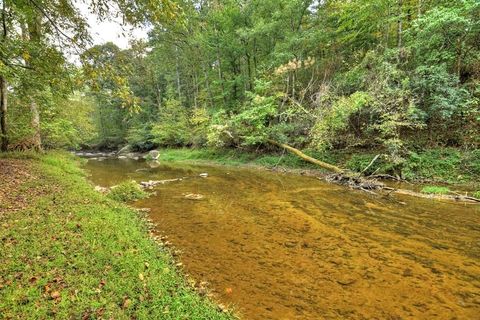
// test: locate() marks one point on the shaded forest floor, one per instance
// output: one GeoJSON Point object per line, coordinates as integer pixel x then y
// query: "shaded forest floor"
{"type": "Point", "coordinates": [13, 173]}
{"type": "Point", "coordinates": [68, 252]}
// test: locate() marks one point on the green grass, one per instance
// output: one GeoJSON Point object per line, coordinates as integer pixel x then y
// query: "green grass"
{"type": "Point", "coordinates": [127, 191]}
{"type": "Point", "coordinates": [443, 165]}
{"type": "Point", "coordinates": [477, 194]}
{"type": "Point", "coordinates": [435, 190]}
{"type": "Point", "coordinates": [237, 157]}
{"type": "Point", "coordinates": [75, 254]}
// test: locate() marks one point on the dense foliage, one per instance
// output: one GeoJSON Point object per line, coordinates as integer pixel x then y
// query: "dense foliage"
{"type": "Point", "coordinates": [389, 75]}
{"type": "Point", "coordinates": [395, 75]}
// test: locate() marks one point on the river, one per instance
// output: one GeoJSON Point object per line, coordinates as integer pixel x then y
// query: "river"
{"type": "Point", "coordinates": [284, 246]}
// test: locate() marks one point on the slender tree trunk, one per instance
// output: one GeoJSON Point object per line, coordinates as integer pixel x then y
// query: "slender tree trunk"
{"type": "Point", "coordinates": [3, 89]}
{"type": "Point", "coordinates": [207, 85]}
{"type": "Point", "coordinates": [254, 57]}
{"type": "Point", "coordinates": [177, 69]}
{"type": "Point", "coordinates": [399, 24]}
{"type": "Point", "coordinates": [36, 139]}
{"type": "Point", "coordinates": [196, 91]}
{"type": "Point", "coordinates": [35, 35]}
{"type": "Point", "coordinates": [219, 65]}
{"type": "Point", "coordinates": [158, 94]}
{"type": "Point", "coordinates": [3, 114]}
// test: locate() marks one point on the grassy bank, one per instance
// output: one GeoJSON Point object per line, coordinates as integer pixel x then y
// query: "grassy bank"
{"type": "Point", "coordinates": [71, 253]}
{"type": "Point", "coordinates": [435, 165]}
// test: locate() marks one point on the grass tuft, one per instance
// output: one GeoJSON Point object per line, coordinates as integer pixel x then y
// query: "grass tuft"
{"type": "Point", "coordinates": [435, 190]}
{"type": "Point", "coordinates": [127, 191]}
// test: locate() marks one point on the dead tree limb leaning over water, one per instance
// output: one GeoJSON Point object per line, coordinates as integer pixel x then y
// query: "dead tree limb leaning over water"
{"type": "Point", "coordinates": [307, 158]}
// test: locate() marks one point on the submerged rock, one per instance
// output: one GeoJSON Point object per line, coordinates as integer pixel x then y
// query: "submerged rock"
{"type": "Point", "coordinates": [154, 154]}
{"type": "Point", "coordinates": [153, 164]}
{"type": "Point", "coordinates": [153, 183]}
{"type": "Point", "coordinates": [101, 189]}
{"type": "Point", "coordinates": [193, 196]}
{"type": "Point", "coordinates": [290, 244]}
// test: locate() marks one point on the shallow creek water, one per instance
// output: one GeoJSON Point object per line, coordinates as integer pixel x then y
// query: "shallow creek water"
{"type": "Point", "coordinates": [280, 246]}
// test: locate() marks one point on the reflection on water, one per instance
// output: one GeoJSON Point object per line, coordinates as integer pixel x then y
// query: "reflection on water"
{"type": "Point", "coordinates": [292, 247]}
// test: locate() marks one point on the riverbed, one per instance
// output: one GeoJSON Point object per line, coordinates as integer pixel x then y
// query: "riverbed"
{"type": "Point", "coordinates": [285, 246]}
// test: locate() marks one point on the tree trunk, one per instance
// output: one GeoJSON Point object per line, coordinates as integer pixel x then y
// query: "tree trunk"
{"type": "Point", "coordinates": [3, 89]}
{"type": "Point", "coordinates": [3, 114]}
{"type": "Point", "coordinates": [35, 35]}
{"type": "Point", "coordinates": [307, 158]}
{"type": "Point", "coordinates": [400, 24]}
{"type": "Point", "coordinates": [177, 71]}
{"type": "Point", "coordinates": [219, 66]}
{"type": "Point", "coordinates": [36, 139]}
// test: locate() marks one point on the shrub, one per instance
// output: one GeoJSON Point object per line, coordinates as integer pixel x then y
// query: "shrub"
{"type": "Point", "coordinates": [173, 127]}
{"type": "Point", "coordinates": [477, 194]}
{"type": "Point", "coordinates": [433, 164]}
{"type": "Point", "coordinates": [435, 190]}
{"type": "Point", "coordinates": [473, 162]}
{"type": "Point", "coordinates": [336, 120]}
{"type": "Point", "coordinates": [127, 191]}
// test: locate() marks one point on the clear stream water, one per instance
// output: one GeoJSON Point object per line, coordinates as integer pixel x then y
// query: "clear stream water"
{"type": "Point", "coordinates": [280, 246]}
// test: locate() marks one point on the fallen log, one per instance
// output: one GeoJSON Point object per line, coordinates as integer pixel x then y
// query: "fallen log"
{"type": "Point", "coordinates": [307, 158]}
{"type": "Point", "coordinates": [448, 197]}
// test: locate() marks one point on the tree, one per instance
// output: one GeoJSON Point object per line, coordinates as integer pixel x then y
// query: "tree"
{"type": "Point", "coordinates": [37, 33]}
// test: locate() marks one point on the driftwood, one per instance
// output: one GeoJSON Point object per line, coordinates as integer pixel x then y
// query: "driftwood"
{"type": "Point", "coordinates": [307, 158]}
{"type": "Point", "coordinates": [370, 184]}
{"type": "Point", "coordinates": [449, 197]}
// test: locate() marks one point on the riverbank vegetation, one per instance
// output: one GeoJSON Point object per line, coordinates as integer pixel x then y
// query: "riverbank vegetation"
{"type": "Point", "coordinates": [70, 252]}
{"type": "Point", "coordinates": [446, 165]}
{"type": "Point", "coordinates": [395, 78]}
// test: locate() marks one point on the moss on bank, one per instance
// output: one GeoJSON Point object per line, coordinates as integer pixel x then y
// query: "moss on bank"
{"type": "Point", "coordinates": [442, 165]}
{"type": "Point", "coordinates": [72, 253]}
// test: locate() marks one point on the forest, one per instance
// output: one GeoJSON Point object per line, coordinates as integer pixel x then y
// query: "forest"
{"type": "Point", "coordinates": [394, 76]}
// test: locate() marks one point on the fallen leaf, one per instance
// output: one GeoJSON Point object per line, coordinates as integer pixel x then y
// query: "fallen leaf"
{"type": "Point", "coordinates": [55, 295]}
{"type": "Point", "coordinates": [126, 303]}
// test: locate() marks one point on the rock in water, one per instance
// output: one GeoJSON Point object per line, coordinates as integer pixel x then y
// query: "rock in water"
{"type": "Point", "coordinates": [153, 164]}
{"type": "Point", "coordinates": [101, 189]}
{"type": "Point", "coordinates": [154, 154]}
{"type": "Point", "coordinates": [193, 196]}
{"type": "Point", "coordinates": [203, 175]}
